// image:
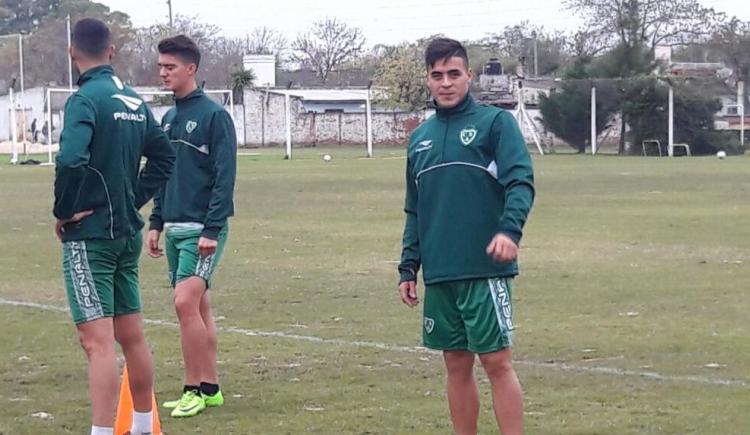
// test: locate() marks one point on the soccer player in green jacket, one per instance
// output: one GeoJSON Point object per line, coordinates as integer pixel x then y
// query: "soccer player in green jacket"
{"type": "Point", "coordinates": [469, 190]}
{"type": "Point", "coordinates": [193, 212]}
{"type": "Point", "coordinates": [99, 188]}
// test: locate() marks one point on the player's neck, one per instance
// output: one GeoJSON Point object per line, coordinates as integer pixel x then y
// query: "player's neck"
{"type": "Point", "coordinates": [85, 66]}
{"type": "Point", "coordinates": [186, 90]}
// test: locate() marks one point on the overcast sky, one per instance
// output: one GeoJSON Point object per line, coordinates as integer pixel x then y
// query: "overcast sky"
{"type": "Point", "coordinates": [382, 21]}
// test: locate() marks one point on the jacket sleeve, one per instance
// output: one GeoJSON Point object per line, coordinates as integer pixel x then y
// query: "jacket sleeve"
{"type": "Point", "coordinates": [160, 157]}
{"type": "Point", "coordinates": [224, 161]}
{"type": "Point", "coordinates": [156, 222]}
{"type": "Point", "coordinates": [515, 173]}
{"type": "Point", "coordinates": [71, 161]}
{"type": "Point", "coordinates": [410, 255]}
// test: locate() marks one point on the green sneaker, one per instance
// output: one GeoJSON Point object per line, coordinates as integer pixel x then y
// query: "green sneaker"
{"type": "Point", "coordinates": [191, 403]}
{"type": "Point", "coordinates": [171, 404]}
{"type": "Point", "coordinates": [215, 400]}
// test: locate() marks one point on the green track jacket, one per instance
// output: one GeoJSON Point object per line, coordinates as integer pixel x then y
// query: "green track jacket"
{"type": "Point", "coordinates": [201, 190]}
{"type": "Point", "coordinates": [468, 177]}
{"type": "Point", "coordinates": [106, 131]}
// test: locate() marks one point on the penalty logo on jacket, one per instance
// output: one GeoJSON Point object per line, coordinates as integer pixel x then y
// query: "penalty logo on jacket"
{"type": "Point", "coordinates": [468, 135]}
{"type": "Point", "coordinates": [190, 126]}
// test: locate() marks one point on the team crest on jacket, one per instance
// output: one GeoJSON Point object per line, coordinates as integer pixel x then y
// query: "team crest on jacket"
{"type": "Point", "coordinates": [190, 126]}
{"type": "Point", "coordinates": [468, 135]}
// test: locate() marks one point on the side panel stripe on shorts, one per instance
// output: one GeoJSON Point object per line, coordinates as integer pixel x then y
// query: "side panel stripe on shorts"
{"type": "Point", "coordinates": [85, 289]}
{"type": "Point", "coordinates": [204, 266]}
{"type": "Point", "coordinates": [501, 299]}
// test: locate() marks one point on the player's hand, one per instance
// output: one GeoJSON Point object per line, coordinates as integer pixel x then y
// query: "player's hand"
{"type": "Point", "coordinates": [152, 244]}
{"type": "Point", "coordinates": [408, 292]}
{"type": "Point", "coordinates": [502, 249]}
{"type": "Point", "coordinates": [207, 246]}
{"type": "Point", "coordinates": [60, 224]}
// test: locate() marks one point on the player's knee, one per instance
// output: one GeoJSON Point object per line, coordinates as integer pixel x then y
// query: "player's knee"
{"type": "Point", "coordinates": [128, 337]}
{"type": "Point", "coordinates": [497, 365]}
{"type": "Point", "coordinates": [94, 344]}
{"type": "Point", "coordinates": [213, 341]}
{"type": "Point", "coordinates": [185, 306]}
{"type": "Point", "coordinates": [459, 364]}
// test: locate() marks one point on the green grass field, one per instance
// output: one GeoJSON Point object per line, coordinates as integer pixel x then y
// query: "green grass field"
{"type": "Point", "coordinates": [632, 307]}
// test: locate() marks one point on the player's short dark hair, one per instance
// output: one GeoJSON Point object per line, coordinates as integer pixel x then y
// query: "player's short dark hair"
{"type": "Point", "coordinates": [91, 36]}
{"type": "Point", "coordinates": [182, 47]}
{"type": "Point", "coordinates": [443, 49]}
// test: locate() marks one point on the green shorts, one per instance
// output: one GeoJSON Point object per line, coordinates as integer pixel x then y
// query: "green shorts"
{"type": "Point", "coordinates": [101, 277]}
{"type": "Point", "coordinates": [183, 257]}
{"type": "Point", "coordinates": [473, 315]}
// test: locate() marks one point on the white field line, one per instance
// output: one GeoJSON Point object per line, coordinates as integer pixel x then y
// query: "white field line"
{"type": "Point", "coordinates": [611, 371]}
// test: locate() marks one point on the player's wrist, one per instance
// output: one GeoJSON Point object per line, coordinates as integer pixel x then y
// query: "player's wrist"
{"type": "Point", "coordinates": [407, 274]}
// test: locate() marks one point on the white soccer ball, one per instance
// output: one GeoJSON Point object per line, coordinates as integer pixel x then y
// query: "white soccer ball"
{"type": "Point", "coordinates": [327, 158]}
{"type": "Point", "coordinates": [721, 154]}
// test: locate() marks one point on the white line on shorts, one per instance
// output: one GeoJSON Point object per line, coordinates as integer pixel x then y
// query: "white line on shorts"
{"type": "Point", "coordinates": [611, 371]}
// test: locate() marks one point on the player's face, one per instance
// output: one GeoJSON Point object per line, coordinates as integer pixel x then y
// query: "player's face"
{"type": "Point", "coordinates": [175, 73]}
{"type": "Point", "coordinates": [449, 81]}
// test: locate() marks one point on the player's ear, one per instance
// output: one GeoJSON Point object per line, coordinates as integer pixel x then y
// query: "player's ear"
{"type": "Point", "coordinates": [111, 52]}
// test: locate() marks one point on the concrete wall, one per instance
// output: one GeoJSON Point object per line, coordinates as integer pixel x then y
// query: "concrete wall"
{"type": "Point", "coordinates": [266, 126]}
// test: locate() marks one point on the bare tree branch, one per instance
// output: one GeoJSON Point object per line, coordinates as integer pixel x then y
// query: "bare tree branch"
{"type": "Point", "coordinates": [327, 45]}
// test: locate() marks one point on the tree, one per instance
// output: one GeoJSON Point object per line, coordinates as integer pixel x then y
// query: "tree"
{"type": "Point", "coordinates": [403, 74]}
{"type": "Point", "coordinates": [518, 40]}
{"type": "Point", "coordinates": [567, 112]}
{"type": "Point", "coordinates": [240, 79]}
{"type": "Point", "coordinates": [24, 16]}
{"type": "Point", "coordinates": [46, 51]}
{"type": "Point", "coordinates": [265, 40]}
{"type": "Point", "coordinates": [732, 44]}
{"type": "Point", "coordinates": [694, 110]}
{"type": "Point", "coordinates": [327, 45]}
{"type": "Point", "coordinates": [646, 22]}
{"type": "Point", "coordinates": [218, 53]}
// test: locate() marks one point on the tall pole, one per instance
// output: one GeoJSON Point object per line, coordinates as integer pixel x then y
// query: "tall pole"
{"type": "Point", "coordinates": [13, 131]}
{"type": "Point", "coordinates": [741, 107]}
{"type": "Point", "coordinates": [49, 128]}
{"type": "Point", "coordinates": [23, 93]}
{"type": "Point", "coordinates": [670, 145]}
{"type": "Point", "coordinates": [288, 119]}
{"type": "Point", "coordinates": [70, 60]}
{"type": "Point", "coordinates": [368, 117]}
{"type": "Point", "coordinates": [536, 59]}
{"type": "Point", "coordinates": [171, 21]}
{"type": "Point", "coordinates": [593, 120]}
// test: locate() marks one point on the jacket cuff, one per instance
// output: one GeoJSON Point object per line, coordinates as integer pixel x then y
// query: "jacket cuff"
{"type": "Point", "coordinates": [406, 274]}
{"type": "Point", "coordinates": [156, 224]}
{"type": "Point", "coordinates": [211, 233]}
{"type": "Point", "coordinates": [513, 234]}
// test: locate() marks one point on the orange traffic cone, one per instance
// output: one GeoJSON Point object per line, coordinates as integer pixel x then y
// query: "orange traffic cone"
{"type": "Point", "coordinates": [124, 419]}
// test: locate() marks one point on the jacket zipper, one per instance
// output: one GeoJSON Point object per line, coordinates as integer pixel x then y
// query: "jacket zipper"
{"type": "Point", "coordinates": [445, 140]}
